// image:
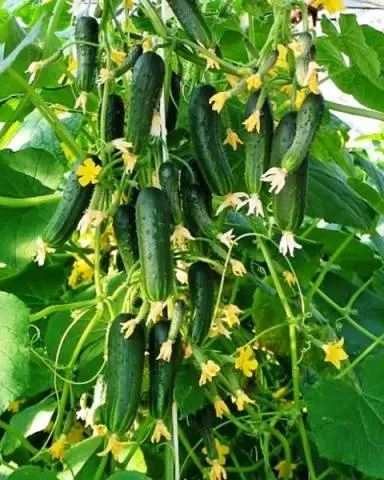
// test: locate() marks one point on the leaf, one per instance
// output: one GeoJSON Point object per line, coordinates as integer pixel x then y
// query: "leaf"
{"type": "Point", "coordinates": [128, 476]}
{"type": "Point", "coordinates": [77, 456]}
{"type": "Point", "coordinates": [28, 422]}
{"type": "Point", "coordinates": [376, 175]}
{"type": "Point", "coordinates": [368, 193]}
{"type": "Point", "coordinates": [32, 473]}
{"type": "Point", "coordinates": [14, 355]}
{"type": "Point", "coordinates": [375, 39]}
{"type": "Point", "coordinates": [332, 199]}
{"type": "Point", "coordinates": [347, 418]}
{"type": "Point", "coordinates": [189, 396]}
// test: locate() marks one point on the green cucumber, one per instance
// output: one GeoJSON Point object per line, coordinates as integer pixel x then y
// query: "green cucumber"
{"type": "Point", "coordinates": [192, 20]}
{"type": "Point", "coordinates": [257, 145]}
{"type": "Point", "coordinates": [196, 213]}
{"type": "Point", "coordinates": [147, 82]}
{"type": "Point", "coordinates": [173, 104]}
{"type": "Point", "coordinates": [203, 423]}
{"type": "Point", "coordinates": [207, 143]}
{"type": "Point", "coordinates": [153, 220]}
{"type": "Point", "coordinates": [124, 226]}
{"type": "Point", "coordinates": [125, 367]}
{"type": "Point", "coordinates": [309, 118]}
{"type": "Point", "coordinates": [169, 175]}
{"type": "Point", "coordinates": [114, 125]}
{"type": "Point", "coordinates": [161, 373]}
{"type": "Point", "coordinates": [289, 204]}
{"type": "Point", "coordinates": [86, 30]}
{"type": "Point", "coordinates": [302, 61]}
{"type": "Point", "coordinates": [201, 282]}
{"type": "Point", "coordinates": [130, 61]}
{"type": "Point", "coordinates": [70, 209]}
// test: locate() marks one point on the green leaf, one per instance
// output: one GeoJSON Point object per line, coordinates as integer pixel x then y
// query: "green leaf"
{"type": "Point", "coordinates": [368, 193]}
{"type": "Point", "coordinates": [375, 39]}
{"type": "Point", "coordinates": [128, 476]}
{"type": "Point", "coordinates": [347, 418]}
{"type": "Point", "coordinates": [28, 422]}
{"type": "Point", "coordinates": [189, 396]}
{"type": "Point", "coordinates": [332, 199]}
{"type": "Point", "coordinates": [14, 355]}
{"type": "Point", "coordinates": [77, 456]}
{"type": "Point", "coordinates": [32, 473]}
{"type": "Point", "coordinates": [375, 174]}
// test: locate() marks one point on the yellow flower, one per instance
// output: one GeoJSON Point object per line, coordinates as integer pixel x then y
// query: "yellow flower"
{"type": "Point", "coordinates": [122, 145]}
{"type": "Point", "coordinates": [209, 370]}
{"type": "Point", "coordinates": [254, 82]}
{"type": "Point", "coordinates": [181, 273]}
{"type": "Point", "coordinates": [129, 161]}
{"type": "Point", "coordinates": [246, 361]}
{"type": "Point", "coordinates": [238, 268]}
{"type": "Point", "coordinates": [231, 315]}
{"type": "Point", "coordinates": [217, 328]}
{"type": "Point", "coordinates": [220, 408]}
{"type": "Point", "coordinates": [57, 448]}
{"type": "Point", "coordinates": [81, 102]}
{"type": "Point", "coordinates": [88, 172]}
{"type": "Point", "coordinates": [160, 431]}
{"type": "Point", "coordinates": [217, 471]}
{"type": "Point", "coordinates": [211, 62]}
{"type": "Point", "coordinates": [232, 139]}
{"type": "Point", "coordinates": [118, 57]}
{"type": "Point", "coordinates": [14, 406]}
{"type": "Point", "coordinates": [147, 44]}
{"type": "Point", "coordinates": [166, 351]}
{"type": "Point", "coordinates": [156, 311]}
{"type": "Point", "coordinates": [227, 238]}
{"type": "Point", "coordinates": [281, 469]}
{"type": "Point", "coordinates": [128, 327]}
{"type": "Point", "coordinates": [281, 61]}
{"type": "Point", "coordinates": [72, 65]}
{"type": "Point", "coordinates": [115, 447]}
{"type": "Point", "coordinates": [241, 399]}
{"type": "Point", "coordinates": [332, 6]}
{"type": "Point", "coordinates": [297, 48]}
{"type": "Point", "coordinates": [232, 80]}
{"type": "Point", "coordinates": [218, 100]}
{"type": "Point", "coordinates": [34, 68]}
{"type": "Point", "coordinates": [311, 79]}
{"type": "Point", "coordinates": [187, 352]}
{"type": "Point", "coordinates": [156, 125]}
{"type": "Point", "coordinates": [222, 451]}
{"type": "Point", "coordinates": [104, 76]}
{"type": "Point", "coordinates": [300, 95]}
{"type": "Point", "coordinates": [180, 237]}
{"type": "Point", "coordinates": [90, 219]}
{"type": "Point", "coordinates": [81, 270]}
{"type": "Point", "coordinates": [289, 278]}
{"type": "Point", "coordinates": [99, 430]}
{"type": "Point", "coordinates": [334, 352]}
{"type": "Point", "coordinates": [232, 200]}
{"type": "Point", "coordinates": [128, 4]}
{"type": "Point", "coordinates": [253, 122]}
{"type": "Point", "coordinates": [76, 433]}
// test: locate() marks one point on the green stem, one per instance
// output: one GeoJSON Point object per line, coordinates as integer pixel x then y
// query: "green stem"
{"type": "Point", "coordinates": [52, 27]}
{"type": "Point", "coordinates": [357, 294]}
{"type": "Point", "coordinates": [361, 112]}
{"type": "Point", "coordinates": [61, 308]}
{"type": "Point", "coordinates": [29, 201]}
{"type": "Point", "coordinates": [287, 452]}
{"type": "Point", "coordinates": [325, 474]}
{"type": "Point", "coordinates": [103, 463]}
{"type": "Point", "coordinates": [191, 454]}
{"type": "Point", "coordinates": [142, 434]}
{"type": "Point", "coordinates": [11, 430]}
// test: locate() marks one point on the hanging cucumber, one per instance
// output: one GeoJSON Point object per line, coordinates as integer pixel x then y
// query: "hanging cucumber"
{"type": "Point", "coordinates": [207, 143]}
{"type": "Point", "coordinates": [153, 220]}
{"type": "Point", "coordinates": [147, 82]}
{"type": "Point", "coordinates": [173, 104]}
{"type": "Point", "coordinates": [86, 30]}
{"type": "Point", "coordinates": [257, 145]}
{"type": "Point", "coordinates": [169, 175]}
{"type": "Point", "coordinates": [114, 125]}
{"type": "Point", "coordinates": [201, 282]}
{"type": "Point", "coordinates": [195, 211]}
{"type": "Point", "coordinates": [130, 61]}
{"type": "Point", "coordinates": [303, 58]}
{"type": "Point", "coordinates": [125, 367]}
{"type": "Point", "coordinates": [203, 423]}
{"type": "Point", "coordinates": [124, 226]}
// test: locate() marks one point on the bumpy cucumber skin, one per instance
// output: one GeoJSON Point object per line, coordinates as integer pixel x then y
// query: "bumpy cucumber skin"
{"type": "Point", "coordinates": [258, 145]}
{"type": "Point", "coordinates": [153, 223]}
{"type": "Point", "coordinates": [70, 209]}
{"type": "Point", "coordinates": [169, 181]}
{"type": "Point", "coordinates": [289, 204]}
{"type": "Point", "coordinates": [191, 19]}
{"type": "Point", "coordinates": [114, 127]}
{"type": "Point", "coordinates": [207, 143]}
{"type": "Point", "coordinates": [124, 226]}
{"type": "Point", "coordinates": [309, 118]}
{"type": "Point", "coordinates": [201, 282]}
{"type": "Point", "coordinates": [130, 61]}
{"type": "Point", "coordinates": [125, 367]}
{"type": "Point", "coordinates": [195, 211]}
{"type": "Point", "coordinates": [86, 30]}
{"type": "Point", "coordinates": [173, 104]}
{"type": "Point", "coordinates": [302, 61]}
{"type": "Point", "coordinates": [147, 82]}
{"type": "Point", "coordinates": [161, 373]}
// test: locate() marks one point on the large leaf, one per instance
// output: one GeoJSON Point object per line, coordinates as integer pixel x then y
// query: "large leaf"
{"type": "Point", "coordinates": [14, 355]}
{"type": "Point", "coordinates": [332, 199]}
{"type": "Point", "coordinates": [347, 418]}
{"type": "Point", "coordinates": [32, 473]}
{"type": "Point", "coordinates": [375, 174]}
{"type": "Point", "coordinates": [77, 456]}
{"type": "Point", "coordinates": [128, 476]}
{"type": "Point", "coordinates": [29, 421]}
{"type": "Point", "coordinates": [189, 396]}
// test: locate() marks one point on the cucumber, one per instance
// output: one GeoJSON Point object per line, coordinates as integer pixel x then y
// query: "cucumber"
{"type": "Point", "coordinates": [161, 373]}
{"type": "Point", "coordinates": [86, 30]}
{"type": "Point", "coordinates": [130, 61]}
{"type": "Point", "coordinates": [207, 143]}
{"type": "Point", "coordinates": [201, 282]}
{"type": "Point", "coordinates": [203, 423]}
{"type": "Point", "coordinates": [124, 226]}
{"type": "Point", "coordinates": [302, 61]}
{"type": "Point", "coordinates": [289, 204]}
{"type": "Point", "coordinates": [308, 121]}
{"type": "Point", "coordinates": [153, 220]}
{"type": "Point", "coordinates": [114, 125]}
{"type": "Point", "coordinates": [193, 175]}
{"type": "Point", "coordinates": [70, 209]}
{"type": "Point", "coordinates": [195, 211]}
{"type": "Point", "coordinates": [125, 367]}
{"type": "Point", "coordinates": [147, 82]}
{"type": "Point", "coordinates": [191, 19]}
{"type": "Point", "coordinates": [257, 145]}
{"type": "Point", "coordinates": [173, 104]}
{"type": "Point", "coordinates": [169, 180]}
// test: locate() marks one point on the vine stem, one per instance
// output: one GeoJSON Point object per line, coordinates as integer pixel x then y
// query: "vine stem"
{"type": "Point", "coordinates": [11, 430]}
{"type": "Point", "coordinates": [29, 201]}
{"type": "Point", "coordinates": [360, 112]}
{"type": "Point", "coordinates": [61, 308]}
{"type": "Point", "coordinates": [191, 453]}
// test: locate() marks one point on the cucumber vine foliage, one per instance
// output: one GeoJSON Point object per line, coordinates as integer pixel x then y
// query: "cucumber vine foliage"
{"type": "Point", "coordinates": [191, 270]}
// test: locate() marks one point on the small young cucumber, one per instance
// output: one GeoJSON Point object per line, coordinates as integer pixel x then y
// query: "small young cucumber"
{"type": "Point", "coordinates": [191, 19]}
{"type": "Point", "coordinates": [86, 30]}
{"type": "Point", "coordinates": [153, 223]}
{"type": "Point", "coordinates": [169, 179]}
{"type": "Point", "coordinates": [201, 282]}
{"type": "Point", "coordinates": [309, 118]}
{"type": "Point", "coordinates": [207, 143]}
{"type": "Point", "coordinates": [161, 373]}
{"type": "Point", "coordinates": [195, 211]}
{"type": "Point", "coordinates": [173, 104]}
{"type": "Point", "coordinates": [203, 422]}
{"type": "Point", "coordinates": [257, 145]}
{"type": "Point", "coordinates": [130, 61]}
{"type": "Point", "coordinates": [124, 226]}
{"type": "Point", "coordinates": [114, 125]}
{"type": "Point", "coordinates": [70, 209]}
{"type": "Point", "coordinates": [125, 367]}
{"type": "Point", "coordinates": [147, 82]}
